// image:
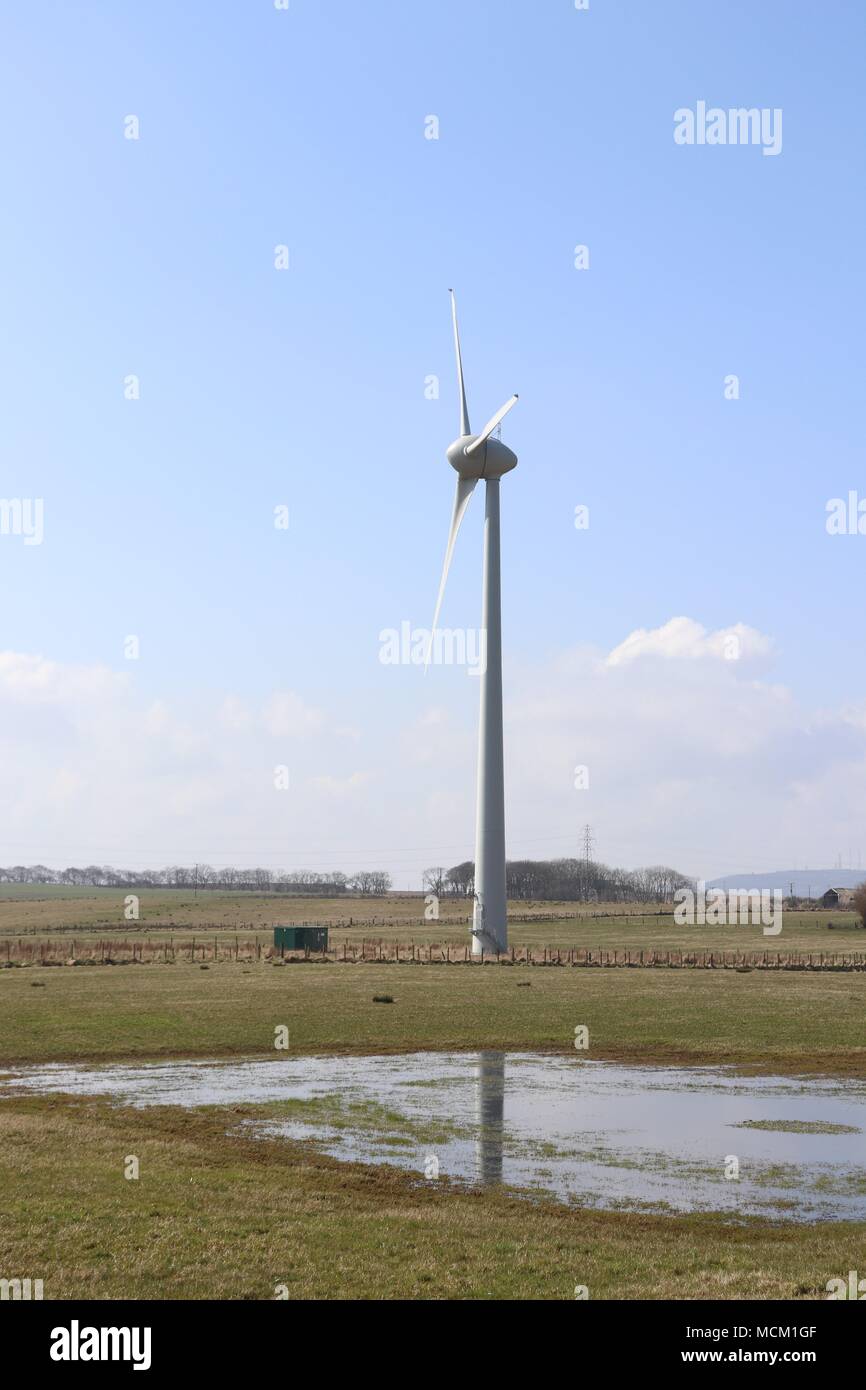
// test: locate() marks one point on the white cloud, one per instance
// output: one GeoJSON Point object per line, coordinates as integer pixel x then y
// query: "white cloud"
{"type": "Point", "coordinates": [341, 788]}
{"type": "Point", "coordinates": [234, 714]}
{"type": "Point", "coordinates": [682, 639]}
{"type": "Point", "coordinates": [692, 758]}
{"type": "Point", "coordinates": [32, 679]}
{"type": "Point", "coordinates": [286, 714]}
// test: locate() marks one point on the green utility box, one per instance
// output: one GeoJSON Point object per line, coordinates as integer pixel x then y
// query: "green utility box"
{"type": "Point", "coordinates": [303, 938]}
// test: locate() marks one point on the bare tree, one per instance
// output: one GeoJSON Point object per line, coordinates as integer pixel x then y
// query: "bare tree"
{"type": "Point", "coordinates": [370, 883]}
{"type": "Point", "coordinates": [435, 880]}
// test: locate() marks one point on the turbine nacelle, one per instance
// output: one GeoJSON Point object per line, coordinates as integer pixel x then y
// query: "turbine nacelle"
{"type": "Point", "coordinates": [490, 459]}
{"type": "Point", "coordinates": [472, 456]}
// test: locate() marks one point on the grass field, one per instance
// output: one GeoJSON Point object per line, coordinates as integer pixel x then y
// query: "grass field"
{"type": "Point", "coordinates": [29, 912]}
{"type": "Point", "coordinates": [809, 1022]}
{"type": "Point", "coordinates": [220, 1216]}
{"type": "Point", "coordinates": [214, 1216]}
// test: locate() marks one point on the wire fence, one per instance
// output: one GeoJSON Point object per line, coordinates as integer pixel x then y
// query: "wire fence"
{"type": "Point", "coordinates": [145, 951]}
{"type": "Point", "coordinates": [516, 917]}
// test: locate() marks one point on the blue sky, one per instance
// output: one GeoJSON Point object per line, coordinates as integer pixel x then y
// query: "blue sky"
{"type": "Point", "coordinates": [305, 387]}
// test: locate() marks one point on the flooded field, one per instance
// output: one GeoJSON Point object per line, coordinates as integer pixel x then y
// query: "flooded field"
{"type": "Point", "coordinates": [592, 1133]}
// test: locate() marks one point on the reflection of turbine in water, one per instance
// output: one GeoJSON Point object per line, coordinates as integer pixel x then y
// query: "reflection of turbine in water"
{"type": "Point", "coordinates": [489, 1113]}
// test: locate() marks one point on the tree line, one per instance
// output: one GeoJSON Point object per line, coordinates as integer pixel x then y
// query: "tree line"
{"type": "Point", "coordinates": [555, 880]}
{"type": "Point", "coordinates": [565, 880]}
{"type": "Point", "coordinates": [367, 883]}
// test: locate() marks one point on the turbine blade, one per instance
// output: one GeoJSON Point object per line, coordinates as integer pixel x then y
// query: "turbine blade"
{"type": "Point", "coordinates": [490, 426]}
{"type": "Point", "coordinates": [464, 413]}
{"type": "Point", "coordinates": [465, 488]}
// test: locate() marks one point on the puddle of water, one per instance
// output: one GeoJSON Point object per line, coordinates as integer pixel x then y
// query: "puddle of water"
{"type": "Point", "coordinates": [593, 1133]}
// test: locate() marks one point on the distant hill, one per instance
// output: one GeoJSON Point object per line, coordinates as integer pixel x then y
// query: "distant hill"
{"type": "Point", "coordinates": [805, 881]}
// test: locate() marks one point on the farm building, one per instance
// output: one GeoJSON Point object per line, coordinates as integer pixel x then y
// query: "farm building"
{"type": "Point", "coordinates": [838, 897]}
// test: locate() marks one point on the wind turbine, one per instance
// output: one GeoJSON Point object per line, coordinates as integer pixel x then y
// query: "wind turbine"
{"type": "Point", "coordinates": [475, 456]}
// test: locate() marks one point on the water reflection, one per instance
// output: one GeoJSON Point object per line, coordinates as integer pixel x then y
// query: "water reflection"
{"type": "Point", "coordinates": [489, 1117]}
{"type": "Point", "coordinates": [594, 1133]}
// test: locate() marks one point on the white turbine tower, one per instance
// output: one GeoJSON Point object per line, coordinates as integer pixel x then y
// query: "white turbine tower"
{"type": "Point", "coordinates": [475, 456]}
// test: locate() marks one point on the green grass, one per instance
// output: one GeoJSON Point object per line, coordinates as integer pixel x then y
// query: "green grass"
{"type": "Point", "coordinates": [366, 1119]}
{"type": "Point", "coordinates": [785, 1022]}
{"type": "Point", "coordinates": [222, 1216]}
{"type": "Point", "coordinates": [797, 1127]}
{"type": "Point", "coordinates": [217, 1214]}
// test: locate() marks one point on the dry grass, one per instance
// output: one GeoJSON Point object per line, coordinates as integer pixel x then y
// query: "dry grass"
{"type": "Point", "coordinates": [42, 913]}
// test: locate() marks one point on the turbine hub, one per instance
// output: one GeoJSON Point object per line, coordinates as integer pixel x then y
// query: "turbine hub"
{"type": "Point", "coordinates": [490, 461]}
